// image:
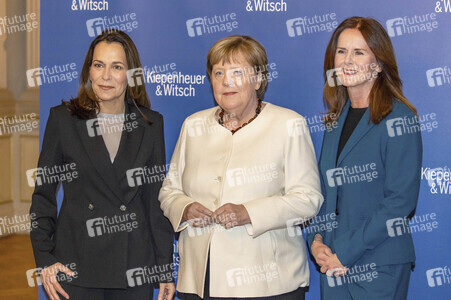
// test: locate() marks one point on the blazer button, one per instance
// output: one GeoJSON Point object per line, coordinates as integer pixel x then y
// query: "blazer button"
{"type": "Point", "coordinates": [91, 206]}
{"type": "Point", "coordinates": [218, 179]}
{"type": "Point", "coordinates": [217, 201]}
{"type": "Point", "coordinates": [123, 207]}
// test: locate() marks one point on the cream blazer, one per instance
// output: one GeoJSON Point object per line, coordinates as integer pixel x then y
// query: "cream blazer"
{"type": "Point", "coordinates": [270, 167]}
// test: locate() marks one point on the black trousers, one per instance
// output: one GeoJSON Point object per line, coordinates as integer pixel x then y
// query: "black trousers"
{"type": "Point", "coordinates": [298, 294]}
{"type": "Point", "coordinates": [82, 293]}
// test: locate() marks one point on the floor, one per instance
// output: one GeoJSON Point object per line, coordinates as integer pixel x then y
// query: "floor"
{"type": "Point", "coordinates": [16, 257]}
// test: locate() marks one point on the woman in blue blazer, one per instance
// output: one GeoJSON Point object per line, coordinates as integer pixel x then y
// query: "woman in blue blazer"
{"type": "Point", "coordinates": [370, 168]}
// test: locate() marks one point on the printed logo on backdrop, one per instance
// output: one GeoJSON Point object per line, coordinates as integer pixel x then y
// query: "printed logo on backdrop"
{"type": "Point", "coordinates": [357, 273]}
{"type": "Point", "coordinates": [438, 276]}
{"type": "Point", "coordinates": [438, 179]}
{"type": "Point", "coordinates": [10, 25]}
{"type": "Point", "coordinates": [266, 5]}
{"type": "Point", "coordinates": [126, 22]}
{"type": "Point", "coordinates": [349, 175]}
{"type": "Point", "coordinates": [438, 76]}
{"type": "Point", "coordinates": [89, 5]}
{"type": "Point", "coordinates": [55, 74]}
{"type": "Point", "coordinates": [418, 223]}
{"type": "Point", "coordinates": [249, 275]}
{"type": "Point", "coordinates": [411, 25]}
{"type": "Point", "coordinates": [211, 24]}
{"type": "Point", "coordinates": [311, 24]}
{"type": "Point", "coordinates": [175, 85]}
{"type": "Point", "coordinates": [445, 8]}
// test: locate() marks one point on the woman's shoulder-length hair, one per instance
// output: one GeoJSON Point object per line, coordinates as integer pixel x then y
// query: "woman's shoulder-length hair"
{"type": "Point", "coordinates": [387, 86]}
{"type": "Point", "coordinates": [86, 103]}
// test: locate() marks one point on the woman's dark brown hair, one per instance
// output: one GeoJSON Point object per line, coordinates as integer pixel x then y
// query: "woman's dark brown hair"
{"type": "Point", "coordinates": [86, 103]}
{"type": "Point", "coordinates": [387, 85]}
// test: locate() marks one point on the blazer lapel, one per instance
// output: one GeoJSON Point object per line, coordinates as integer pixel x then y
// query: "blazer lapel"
{"type": "Point", "coordinates": [98, 153]}
{"type": "Point", "coordinates": [360, 130]}
{"type": "Point", "coordinates": [128, 151]}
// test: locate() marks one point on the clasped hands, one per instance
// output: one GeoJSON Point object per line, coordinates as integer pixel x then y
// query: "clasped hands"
{"type": "Point", "coordinates": [328, 261]}
{"type": "Point", "coordinates": [229, 215]}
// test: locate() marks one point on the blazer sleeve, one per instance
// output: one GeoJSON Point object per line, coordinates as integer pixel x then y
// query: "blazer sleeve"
{"type": "Point", "coordinates": [173, 199]}
{"type": "Point", "coordinates": [43, 211]}
{"type": "Point", "coordinates": [401, 188]}
{"type": "Point", "coordinates": [302, 198]}
{"type": "Point", "coordinates": [161, 230]}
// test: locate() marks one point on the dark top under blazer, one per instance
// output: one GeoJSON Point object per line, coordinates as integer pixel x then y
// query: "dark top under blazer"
{"type": "Point", "coordinates": [99, 191]}
{"type": "Point", "coordinates": [362, 235]}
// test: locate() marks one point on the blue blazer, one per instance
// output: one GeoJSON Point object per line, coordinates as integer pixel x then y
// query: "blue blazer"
{"type": "Point", "coordinates": [376, 182]}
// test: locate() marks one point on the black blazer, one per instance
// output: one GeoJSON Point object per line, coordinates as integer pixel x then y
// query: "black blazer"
{"type": "Point", "coordinates": [101, 254]}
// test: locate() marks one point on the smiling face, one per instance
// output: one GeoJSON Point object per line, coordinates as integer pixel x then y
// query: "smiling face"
{"type": "Point", "coordinates": [235, 85]}
{"type": "Point", "coordinates": [108, 71]}
{"type": "Point", "coordinates": [356, 63]}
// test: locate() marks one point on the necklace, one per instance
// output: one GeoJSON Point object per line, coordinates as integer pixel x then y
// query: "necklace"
{"type": "Point", "coordinates": [257, 112]}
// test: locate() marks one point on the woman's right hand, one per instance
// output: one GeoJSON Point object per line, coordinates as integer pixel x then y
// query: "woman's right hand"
{"type": "Point", "coordinates": [197, 215]}
{"type": "Point", "coordinates": [50, 282]}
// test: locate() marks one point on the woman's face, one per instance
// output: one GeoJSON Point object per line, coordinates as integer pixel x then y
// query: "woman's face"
{"type": "Point", "coordinates": [108, 71]}
{"type": "Point", "coordinates": [355, 63]}
{"type": "Point", "coordinates": [235, 84]}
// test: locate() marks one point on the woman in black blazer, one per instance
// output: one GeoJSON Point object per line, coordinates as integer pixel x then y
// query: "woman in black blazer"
{"type": "Point", "coordinates": [110, 239]}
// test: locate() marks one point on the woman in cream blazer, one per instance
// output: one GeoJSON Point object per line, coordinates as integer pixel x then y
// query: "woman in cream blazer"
{"type": "Point", "coordinates": [251, 186]}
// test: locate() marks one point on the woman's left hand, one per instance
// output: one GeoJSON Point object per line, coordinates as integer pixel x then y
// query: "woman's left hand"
{"type": "Point", "coordinates": [333, 266]}
{"type": "Point", "coordinates": [167, 291]}
{"type": "Point", "coordinates": [230, 215]}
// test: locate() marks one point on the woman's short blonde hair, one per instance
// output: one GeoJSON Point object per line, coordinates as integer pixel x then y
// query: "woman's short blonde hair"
{"type": "Point", "coordinates": [228, 48]}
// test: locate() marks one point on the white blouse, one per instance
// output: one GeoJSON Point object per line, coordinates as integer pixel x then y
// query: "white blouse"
{"type": "Point", "coordinates": [270, 167]}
